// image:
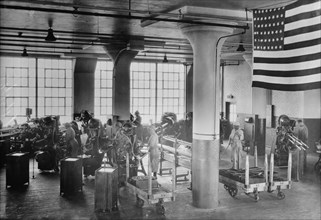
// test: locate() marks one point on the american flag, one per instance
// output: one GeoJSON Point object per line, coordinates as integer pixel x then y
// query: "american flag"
{"type": "Point", "coordinates": [287, 47]}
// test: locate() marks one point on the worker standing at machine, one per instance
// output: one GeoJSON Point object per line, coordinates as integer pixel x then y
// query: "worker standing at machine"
{"type": "Point", "coordinates": [301, 132]}
{"type": "Point", "coordinates": [154, 151]}
{"type": "Point", "coordinates": [138, 119]}
{"type": "Point", "coordinates": [71, 140]}
{"type": "Point", "coordinates": [235, 140]}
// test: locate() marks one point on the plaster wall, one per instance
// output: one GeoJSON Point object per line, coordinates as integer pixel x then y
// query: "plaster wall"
{"type": "Point", "coordinates": [237, 82]}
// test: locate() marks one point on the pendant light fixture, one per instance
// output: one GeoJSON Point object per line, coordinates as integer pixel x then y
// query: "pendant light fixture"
{"type": "Point", "coordinates": [165, 59]}
{"type": "Point", "coordinates": [50, 35]}
{"type": "Point", "coordinates": [240, 48]}
{"type": "Point", "coordinates": [24, 53]}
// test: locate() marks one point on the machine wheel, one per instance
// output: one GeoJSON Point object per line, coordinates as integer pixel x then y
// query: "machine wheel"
{"type": "Point", "coordinates": [232, 192]}
{"type": "Point", "coordinates": [317, 167]}
{"type": "Point", "coordinates": [281, 195]}
{"type": "Point", "coordinates": [160, 209]}
{"type": "Point", "coordinates": [139, 202]}
{"type": "Point", "coordinates": [226, 187]}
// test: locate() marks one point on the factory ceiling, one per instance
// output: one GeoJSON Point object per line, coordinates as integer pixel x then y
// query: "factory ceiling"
{"type": "Point", "coordinates": [83, 28]}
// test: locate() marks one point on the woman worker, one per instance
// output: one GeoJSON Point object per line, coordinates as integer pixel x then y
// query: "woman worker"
{"type": "Point", "coordinates": [71, 140]}
{"type": "Point", "coordinates": [154, 151]}
{"type": "Point", "coordinates": [235, 140]}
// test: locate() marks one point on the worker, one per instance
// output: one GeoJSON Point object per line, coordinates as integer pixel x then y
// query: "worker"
{"type": "Point", "coordinates": [154, 150]}
{"type": "Point", "coordinates": [71, 140]}
{"type": "Point", "coordinates": [109, 129]}
{"type": "Point", "coordinates": [301, 132]}
{"type": "Point", "coordinates": [138, 119]}
{"type": "Point", "coordinates": [235, 140]}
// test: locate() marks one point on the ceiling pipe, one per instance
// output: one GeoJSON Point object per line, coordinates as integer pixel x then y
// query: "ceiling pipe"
{"type": "Point", "coordinates": [64, 11]}
{"type": "Point", "coordinates": [121, 10]}
{"type": "Point", "coordinates": [55, 47]}
{"type": "Point", "coordinates": [181, 41]}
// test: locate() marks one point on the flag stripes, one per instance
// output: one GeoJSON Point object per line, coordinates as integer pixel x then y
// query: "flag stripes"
{"type": "Point", "coordinates": [295, 63]}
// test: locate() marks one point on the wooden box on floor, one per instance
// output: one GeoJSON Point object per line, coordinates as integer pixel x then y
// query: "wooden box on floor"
{"type": "Point", "coordinates": [17, 169]}
{"type": "Point", "coordinates": [70, 175]}
{"type": "Point", "coordinates": [106, 189]}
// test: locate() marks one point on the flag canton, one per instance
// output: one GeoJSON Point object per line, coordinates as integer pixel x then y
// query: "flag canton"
{"type": "Point", "coordinates": [268, 28]}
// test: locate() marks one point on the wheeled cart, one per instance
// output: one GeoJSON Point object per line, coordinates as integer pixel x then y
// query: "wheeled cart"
{"type": "Point", "coordinates": [255, 180]}
{"type": "Point", "coordinates": [277, 183]}
{"type": "Point", "coordinates": [148, 191]}
{"type": "Point", "coordinates": [250, 181]}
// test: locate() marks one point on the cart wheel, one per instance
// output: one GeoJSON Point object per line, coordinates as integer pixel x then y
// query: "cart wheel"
{"type": "Point", "coordinates": [256, 197]}
{"type": "Point", "coordinates": [160, 209]}
{"type": "Point", "coordinates": [232, 192]}
{"type": "Point", "coordinates": [139, 202]}
{"type": "Point", "coordinates": [281, 195]}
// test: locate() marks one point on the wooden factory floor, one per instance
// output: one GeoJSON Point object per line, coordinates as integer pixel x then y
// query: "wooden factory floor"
{"type": "Point", "coordinates": [41, 200]}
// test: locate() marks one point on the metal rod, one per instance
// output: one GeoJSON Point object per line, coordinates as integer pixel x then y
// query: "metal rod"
{"type": "Point", "coordinates": [289, 165]}
{"type": "Point", "coordinates": [255, 156]}
{"type": "Point", "coordinates": [271, 168]}
{"type": "Point", "coordinates": [247, 170]}
{"type": "Point", "coordinates": [87, 13]}
{"type": "Point", "coordinates": [266, 168]}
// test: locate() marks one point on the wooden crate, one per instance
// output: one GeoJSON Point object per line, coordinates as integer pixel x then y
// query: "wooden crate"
{"type": "Point", "coordinates": [70, 176]}
{"type": "Point", "coordinates": [17, 169]}
{"type": "Point", "coordinates": [106, 189]}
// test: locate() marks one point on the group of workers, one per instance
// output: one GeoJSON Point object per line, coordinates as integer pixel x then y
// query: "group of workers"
{"type": "Point", "coordinates": [124, 136]}
{"type": "Point", "coordinates": [300, 130]}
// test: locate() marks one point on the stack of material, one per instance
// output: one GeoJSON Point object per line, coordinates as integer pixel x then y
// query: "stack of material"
{"type": "Point", "coordinates": [256, 175]}
{"type": "Point", "coordinates": [141, 182]}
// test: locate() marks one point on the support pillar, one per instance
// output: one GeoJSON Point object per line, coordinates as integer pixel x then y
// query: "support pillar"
{"type": "Point", "coordinates": [122, 59]}
{"type": "Point", "coordinates": [189, 88]}
{"type": "Point", "coordinates": [206, 110]}
{"type": "Point", "coordinates": [84, 84]}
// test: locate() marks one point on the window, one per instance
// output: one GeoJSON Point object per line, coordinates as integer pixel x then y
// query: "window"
{"type": "Point", "coordinates": [143, 90]}
{"type": "Point", "coordinates": [233, 114]}
{"type": "Point", "coordinates": [19, 84]}
{"type": "Point", "coordinates": [103, 90]}
{"type": "Point", "coordinates": [156, 89]}
{"type": "Point", "coordinates": [171, 89]}
{"type": "Point", "coordinates": [55, 79]}
{"type": "Point", "coordinates": [18, 88]}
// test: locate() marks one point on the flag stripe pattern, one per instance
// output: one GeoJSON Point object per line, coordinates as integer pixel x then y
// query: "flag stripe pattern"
{"type": "Point", "coordinates": [287, 47]}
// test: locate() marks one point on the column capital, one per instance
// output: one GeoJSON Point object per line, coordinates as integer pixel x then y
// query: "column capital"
{"type": "Point", "coordinates": [249, 59]}
{"type": "Point", "coordinates": [196, 32]}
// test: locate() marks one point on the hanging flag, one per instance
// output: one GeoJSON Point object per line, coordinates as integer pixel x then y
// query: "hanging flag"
{"type": "Point", "coordinates": [287, 47]}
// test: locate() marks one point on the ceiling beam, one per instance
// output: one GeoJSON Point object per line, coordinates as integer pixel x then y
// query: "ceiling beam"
{"type": "Point", "coordinates": [88, 13]}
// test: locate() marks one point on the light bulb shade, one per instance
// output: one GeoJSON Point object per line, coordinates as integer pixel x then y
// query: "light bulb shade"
{"type": "Point", "coordinates": [24, 53]}
{"type": "Point", "coordinates": [165, 60]}
{"type": "Point", "coordinates": [240, 48]}
{"type": "Point", "coordinates": [50, 35]}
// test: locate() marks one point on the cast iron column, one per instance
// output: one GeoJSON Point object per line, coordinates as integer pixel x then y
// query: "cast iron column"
{"type": "Point", "coordinates": [206, 110]}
